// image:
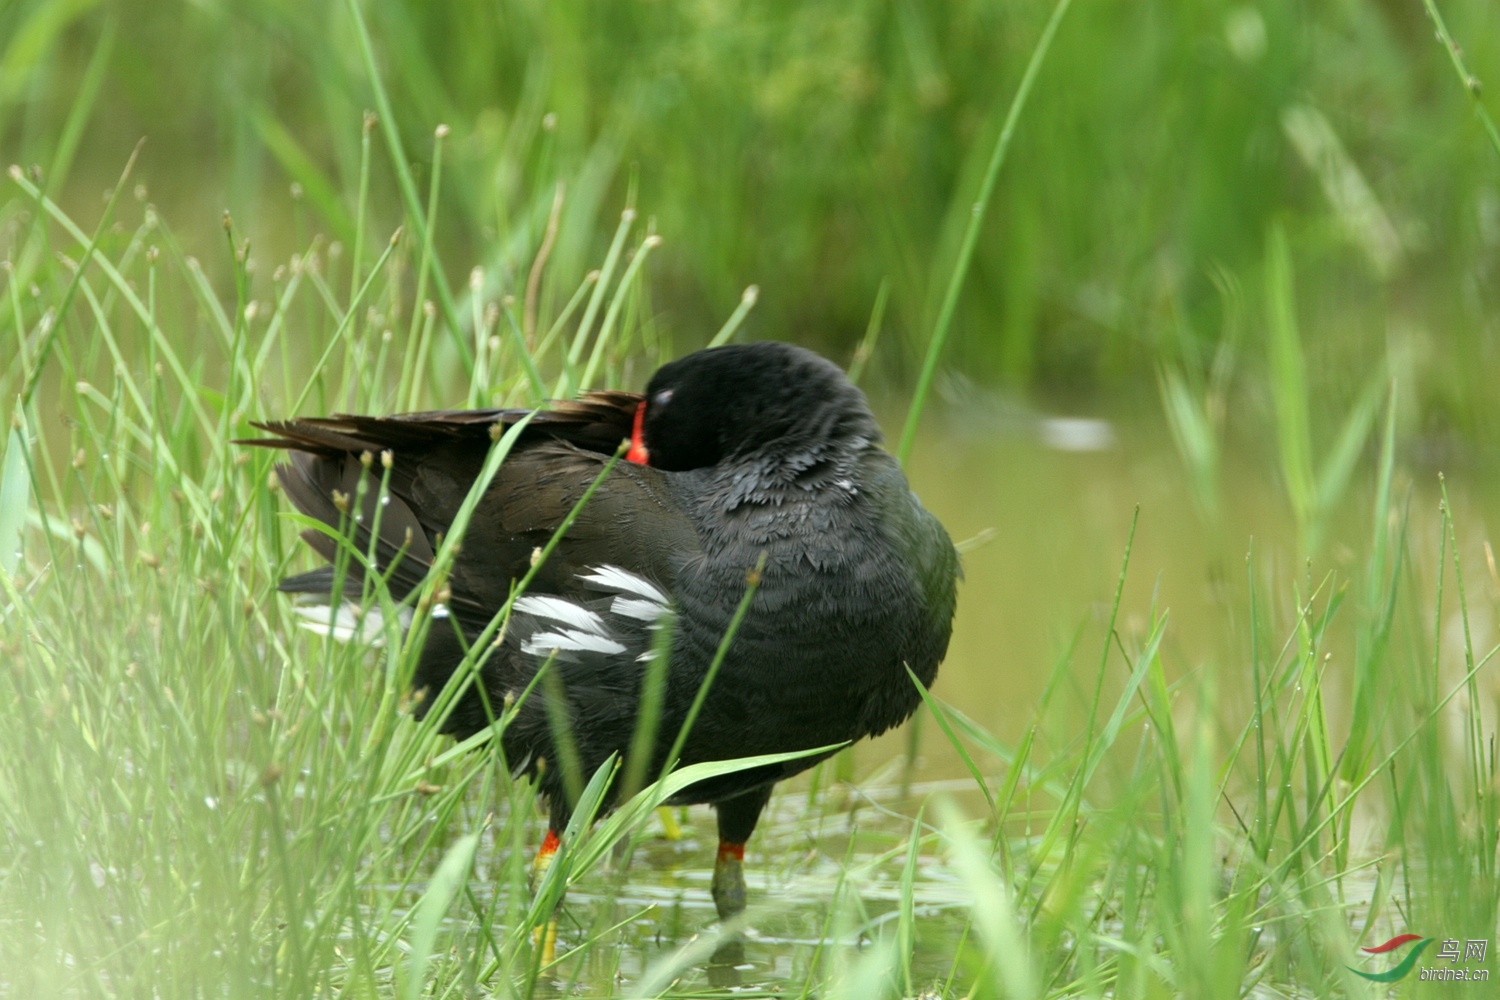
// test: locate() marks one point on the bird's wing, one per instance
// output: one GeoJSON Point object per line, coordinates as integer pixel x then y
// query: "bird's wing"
{"type": "Point", "coordinates": [400, 513]}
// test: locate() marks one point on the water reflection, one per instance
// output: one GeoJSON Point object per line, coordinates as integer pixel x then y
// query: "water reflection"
{"type": "Point", "coordinates": [727, 967]}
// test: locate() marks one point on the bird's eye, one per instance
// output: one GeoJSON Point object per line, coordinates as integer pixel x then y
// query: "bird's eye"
{"type": "Point", "coordinates": [662, 398]}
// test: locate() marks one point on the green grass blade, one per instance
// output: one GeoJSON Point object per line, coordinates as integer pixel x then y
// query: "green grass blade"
{"type": "Point", "coordinates": [408, 185]}
{"type": "Point", "coordinates": [15, 499]}
{"type": "Point", "coordinates": [971, 233]}
{"type": "Point", "coordinates": [737, 318]}
{"type": "Point", "coordinates": [442, 890]}
{"type": "Point", "coordinates": [1468, 80]}
{"type": "Point", "coordinates": [1289, 383]}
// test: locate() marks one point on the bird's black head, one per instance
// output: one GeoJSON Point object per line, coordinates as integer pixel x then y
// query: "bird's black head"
{"type": "Point", "coordinates": [730, 402]}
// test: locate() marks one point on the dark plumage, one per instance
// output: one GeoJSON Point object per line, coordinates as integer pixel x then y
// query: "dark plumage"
{"type": "Point", "coordinates": [758, 450]}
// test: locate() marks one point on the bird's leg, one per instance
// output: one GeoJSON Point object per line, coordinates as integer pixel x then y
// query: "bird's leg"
{"type": "Point", "coordinates": [729, 880]}
{"type": "Point", "coordinates": [737, 819]}
{"type": "Point", "coordinates": [544, 937]}
{"type": "Point", "coordinates": [544, 856]}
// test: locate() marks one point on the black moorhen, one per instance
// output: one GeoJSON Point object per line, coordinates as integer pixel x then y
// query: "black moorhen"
{"type": "Point", "coordinates": [737, 453]}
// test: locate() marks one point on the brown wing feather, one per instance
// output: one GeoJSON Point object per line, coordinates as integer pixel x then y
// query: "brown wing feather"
{"type": "Point", "coordinates": [632, 522]}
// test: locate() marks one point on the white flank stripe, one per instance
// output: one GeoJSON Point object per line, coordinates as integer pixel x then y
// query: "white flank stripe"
{"type": "Point", "coordinates": [560, 610]}
{"type": "Point", "coordinates": [569, 640]}
{"type": "Point", "coordinates": [345, 624]}
{"type": "Point", "coordinates": [615, 578]}
{"type": "Point", "coordinates": [646, 611]}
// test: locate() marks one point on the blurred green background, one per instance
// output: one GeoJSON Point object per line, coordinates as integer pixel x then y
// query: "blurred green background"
{"type": "Point", "coordinates": [820, 149]}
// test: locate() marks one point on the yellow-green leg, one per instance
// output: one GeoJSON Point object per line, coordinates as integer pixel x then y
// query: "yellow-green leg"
{"type": "Point", "coordinates": [544, 937]}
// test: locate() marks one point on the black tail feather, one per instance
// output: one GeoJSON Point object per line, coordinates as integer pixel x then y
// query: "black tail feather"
{"type": "Point", "coordinates": [319, 581]}
{"type": "Point", "coordinates": [337, 489]}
